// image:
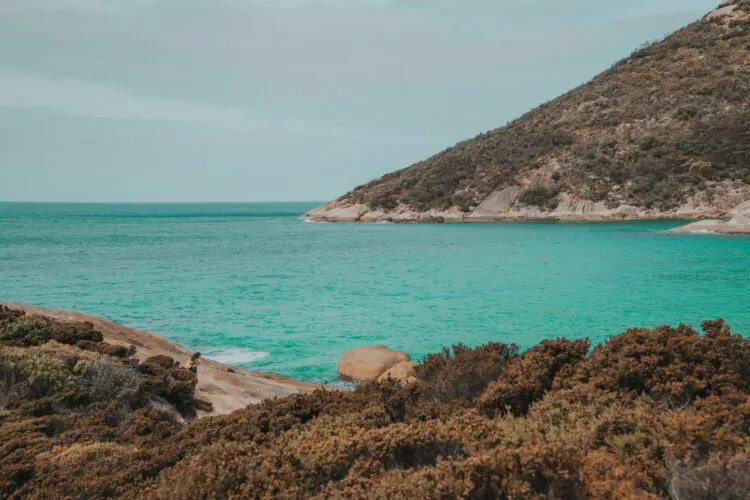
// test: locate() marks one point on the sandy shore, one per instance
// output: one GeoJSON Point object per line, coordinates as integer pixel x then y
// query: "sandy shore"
{"type": "Point", "coordinates": [229, 388]}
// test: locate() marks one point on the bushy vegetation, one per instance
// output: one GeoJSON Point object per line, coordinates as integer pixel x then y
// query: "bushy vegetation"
{"type": "Point", "coordinates": [71, 407]}
{"type": "Point", "coordinates": [542, 197]}
{"type": "Point", "coordinates": [660, 126]}
{"type": "Point", "coordinates": [651, 413]}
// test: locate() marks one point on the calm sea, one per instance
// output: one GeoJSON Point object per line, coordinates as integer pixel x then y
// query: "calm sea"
{"type": "Point", "coordinates": [252, 285]}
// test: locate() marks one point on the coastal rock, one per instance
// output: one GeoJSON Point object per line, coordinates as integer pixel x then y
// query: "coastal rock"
{"type": "Point", "coordinates": [402, 372]}
{"type": "Point", "coordinates": [503, 205]}
{"type": "Point", "coordinates": [741, 213]}
{"type": "Point", "coordinates": [226, 388]}
{"type": "Point", "coordinates": [369, 362]}
{"type": "Point", "coordinates": [739, 224]}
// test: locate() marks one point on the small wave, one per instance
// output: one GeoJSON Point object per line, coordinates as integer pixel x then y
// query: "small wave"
{"type": "Point", "coordinates": [342, 384]}
{"type": "Point", "coordinates": [702, 231]}
{"type": "Point", "coordinates": [236, 356]}
{"type": "Point", "coordinates": [304, 219]}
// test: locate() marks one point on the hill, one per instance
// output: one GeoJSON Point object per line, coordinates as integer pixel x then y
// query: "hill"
{"type": "Point", "coordinates": [664, 133]}
{"type": "Point", "coordinates": [649, 414]}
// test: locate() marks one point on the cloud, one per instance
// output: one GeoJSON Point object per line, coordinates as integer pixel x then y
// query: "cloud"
{"type": "Point", "coordinates": [299, 98]}
{"type": "Point", "coordinates": [82, 98]}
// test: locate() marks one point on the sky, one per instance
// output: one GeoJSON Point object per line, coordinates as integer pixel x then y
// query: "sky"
{"type": "Point", "coordinates": [281, 100]}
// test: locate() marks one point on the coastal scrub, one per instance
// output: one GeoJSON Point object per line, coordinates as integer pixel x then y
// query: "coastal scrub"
{"type": "Point", "coordinates": [651, 413]}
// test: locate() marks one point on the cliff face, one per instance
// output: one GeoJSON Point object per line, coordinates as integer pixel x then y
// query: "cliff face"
{"type": "Point", "coordinates": [664, 133]}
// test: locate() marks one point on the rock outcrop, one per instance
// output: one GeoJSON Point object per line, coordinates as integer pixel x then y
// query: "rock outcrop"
{"type": "Point", "coordinates": [227, 388]}
{"type": "Point", "coordinates": [367, 363]}
{"type": "Point", "coordinates": [739, 224]}
{"type": "Point", "coordinates": [661, 134]}
{"type": "Point", "coordinates": [401, 372]}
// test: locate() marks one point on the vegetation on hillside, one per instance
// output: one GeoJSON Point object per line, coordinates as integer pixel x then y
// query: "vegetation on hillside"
{"type": "Point", "coordinates": [671, 120]}
{"type": "Point", "coordinates": [650, 413]}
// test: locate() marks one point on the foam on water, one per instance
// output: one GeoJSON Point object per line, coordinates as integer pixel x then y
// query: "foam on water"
{"type": "Point", "coordinates": [235, 356]}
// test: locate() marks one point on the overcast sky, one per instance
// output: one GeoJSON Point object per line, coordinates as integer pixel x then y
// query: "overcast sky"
{"type": "Point", "coordinates": [263, 100]}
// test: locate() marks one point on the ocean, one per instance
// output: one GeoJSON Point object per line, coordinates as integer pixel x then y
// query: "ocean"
{"type": "Point", "coordinates": [255, 286]}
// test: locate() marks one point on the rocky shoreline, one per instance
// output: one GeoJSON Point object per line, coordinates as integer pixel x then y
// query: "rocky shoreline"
{"type": "Point", "coordinates": [738, 224]}
{"type": "Point", "coordinates": [226, 387]}
{"type": "Point", "coordinates": [580, 211]}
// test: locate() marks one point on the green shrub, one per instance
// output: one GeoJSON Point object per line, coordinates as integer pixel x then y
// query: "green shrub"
{"type": "Point", "coordinates": [26, 330]}
{"type": "Point", "coordinates": [541, 197]}
{"type": "Point", "coordinates": [107, 381]}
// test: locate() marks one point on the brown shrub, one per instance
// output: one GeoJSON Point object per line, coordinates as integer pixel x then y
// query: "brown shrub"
{"type": "Point", "coordinates": [463, 372]}
{"type": "Point", "coordinates": [163, 379]}
{"type": "Point", "coordinates": [85, 470]}
{"type": "Point", "coordinates": [528, 376]}
{"type": "Point", "coordinates": [161, 361]}
{"type": "Point", "coordinates": [19, 328]}
{"type": "Point", "coordinates": [612, 423]}
{"type": "Point", "coordinates": [673, 365]}
{"type": "Point", "coordinates": [721, 477]}
{"type": "Point", "coordinates": [118, 351]}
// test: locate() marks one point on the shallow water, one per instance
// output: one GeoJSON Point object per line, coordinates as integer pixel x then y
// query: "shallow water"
{"type": "Point", "coordinates": [253, 285]}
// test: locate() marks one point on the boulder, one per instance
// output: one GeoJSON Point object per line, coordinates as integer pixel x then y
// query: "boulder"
{"type": "Point", "coordinates": [402, 372]}
{"type": "Point", "coordinates": [369, 362]}
{"type": "Point", "coordinates": [741, 213]}
{"type": "Point", "coordinates": [740, 223]}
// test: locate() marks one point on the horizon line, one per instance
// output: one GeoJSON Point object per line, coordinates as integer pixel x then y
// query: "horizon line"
{"type": "Point", "coordinates": [156, 202]}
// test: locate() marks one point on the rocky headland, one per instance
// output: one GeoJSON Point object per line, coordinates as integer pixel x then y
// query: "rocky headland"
{"type": "Point", "coordinates": [662, 134]}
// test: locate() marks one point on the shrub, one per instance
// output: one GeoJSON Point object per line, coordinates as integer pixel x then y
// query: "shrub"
{"type": "Point", "coordinates": [673, 365]}
{"type": "Point", "coordinates": [41, 371]}
{"type": "Point", "coordinates": [651, 413]}
{"type": "Point", "coordinates": [463, 372]}
{"type": "Point", "coordinates": [19, 328]}
{"type": "Point", "coordinates": [99, 469]}
{"type": "Point", "coordinates": [721, 477]}
{"type": "Point", "coordinates": [106, 381]}
{"type": "Point", "coordinates": [528, 376]}
{"type": "Point", "coordinates": [13, 385]}
{"type": "Point", "coordinates": [541, 197]}
{"type": "Point", "coordinates": [26, 330]}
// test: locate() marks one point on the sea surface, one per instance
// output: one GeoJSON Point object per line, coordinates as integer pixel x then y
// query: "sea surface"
{"type": "Point", "coordinates": [253, 285]}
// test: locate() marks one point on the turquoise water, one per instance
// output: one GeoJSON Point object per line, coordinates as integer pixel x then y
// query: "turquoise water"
{"type": "Point", "coordinates": [253, 285]}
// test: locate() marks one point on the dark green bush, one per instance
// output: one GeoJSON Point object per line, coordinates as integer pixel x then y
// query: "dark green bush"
{"type": "Point", "coordinates": [541, 197]}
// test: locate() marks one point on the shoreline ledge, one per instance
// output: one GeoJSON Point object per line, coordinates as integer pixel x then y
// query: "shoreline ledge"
{"type": "Point", "coordinates": [704, 216]}
{"type": "Point", "coordinates": [739, 224]}
{"type": "Point", "coordinates": [226, 390]}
